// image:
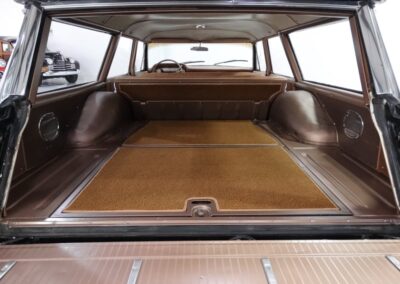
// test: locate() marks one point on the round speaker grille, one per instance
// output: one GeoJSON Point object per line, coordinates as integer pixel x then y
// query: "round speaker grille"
{"type": "Point", "coordinates": [49, 127]}
{"type": "Point", "coordinates": [353, 124]}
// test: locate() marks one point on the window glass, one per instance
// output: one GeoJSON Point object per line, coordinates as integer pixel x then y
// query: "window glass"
{"type": "Point", "coordinates": [139, 60]}
{"type": "Point", "coordinates": [120, 64]}
{"type": "Point", "coordinates": [326, 55]}
{"type": "Point", "coordinates": [280, 63]}
{"type": "Point", "coordinates": [389, 21]}
{"type": "Point", "coordinates": [74, 55]}
{"type": "Point", "coordinates": [206, 54]}
{"type": "Point", "coordinates": [261, 56]}
{"type": "Point", "coordinates": [6, 47]}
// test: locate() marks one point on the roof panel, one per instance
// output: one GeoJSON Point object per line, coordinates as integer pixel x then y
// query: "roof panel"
{"type": "Point", "coordinates": [308, 3]}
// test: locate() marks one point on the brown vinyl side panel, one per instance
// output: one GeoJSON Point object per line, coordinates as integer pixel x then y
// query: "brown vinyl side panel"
{"type": "Point", "coordinates": [337, 102]}
{"type": "Point", "coordinates": [103, 114]}
{"type": "Point", "coordinates": [67, 112]}
{"type": "Point", "coordinates": [20, 164]}
{"type": "Point", "coordinates": [66, 106]}
{"type": "Point", "coordinates": [300, 115]}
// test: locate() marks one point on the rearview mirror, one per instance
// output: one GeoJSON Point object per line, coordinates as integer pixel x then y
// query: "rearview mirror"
{"type": "Point", "coordinates": [199, 48]}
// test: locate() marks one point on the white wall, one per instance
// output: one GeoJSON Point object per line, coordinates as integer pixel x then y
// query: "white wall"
{"type": "Point", "coordinates": [387, 14]}
{"type": "Point", "coordinates": [389, 23]}
{"type": "Point", "coordinates": [11, 16]}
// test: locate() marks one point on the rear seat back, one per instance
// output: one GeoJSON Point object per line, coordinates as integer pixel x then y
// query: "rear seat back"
{"type": "Point", "coordinates": [199, 110]}
{"type": "Point", "coordinates": [191, 101]}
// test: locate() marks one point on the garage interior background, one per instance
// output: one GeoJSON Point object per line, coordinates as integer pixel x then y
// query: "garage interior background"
{"type": "Point", "coordinates": [12, 16]}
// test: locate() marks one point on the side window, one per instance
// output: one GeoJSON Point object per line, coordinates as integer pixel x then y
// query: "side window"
{"type": "Point", "coordinates": [74, 55]}
{"type": "Point", "coordinates": [139, 60]}
{"type": "Point", "coordinates": [326, 55]}
{"type": "Point", "coordinates": [120, 64]}
{"type": "Point", "coordinates": [280, 63]}
{"type": "Point", "coordinates": [262, 66]}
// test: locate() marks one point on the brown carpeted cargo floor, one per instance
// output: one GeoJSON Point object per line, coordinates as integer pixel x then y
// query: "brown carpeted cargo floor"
{"type": "Point", "coordinates": [200, 132]}
{"type": "Point", "coordinates": [254, 178]}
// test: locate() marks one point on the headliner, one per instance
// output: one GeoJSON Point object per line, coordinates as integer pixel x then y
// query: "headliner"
{"type": "Point", "coordinates": [249, 27]}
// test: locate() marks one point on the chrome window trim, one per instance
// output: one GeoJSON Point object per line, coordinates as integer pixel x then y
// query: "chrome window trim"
{"type": "Point", "coordinates": [330, 5]}
{"type": "Point", "coordinates": [18, 75]}
{"type": "Point", "coordinates": [383, 77]}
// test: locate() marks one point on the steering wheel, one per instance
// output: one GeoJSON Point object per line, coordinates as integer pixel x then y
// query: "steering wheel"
{"type": "Point", "coordinates": [167, 63]}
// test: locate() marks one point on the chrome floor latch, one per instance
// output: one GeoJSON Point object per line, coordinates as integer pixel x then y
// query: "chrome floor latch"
{"type": "Point", "coordinates": [5, 268]}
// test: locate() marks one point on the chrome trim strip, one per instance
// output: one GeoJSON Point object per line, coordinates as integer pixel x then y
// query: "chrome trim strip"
{"type": "Point", "coordinates": [394, 260]}
{"type": "Point", "coordinates": [381, 68]}
{"type": "Point", "coordinates": [133, 276]}
{"type": "Point", "coordinates": [6, 268]}
{"type": "Point", "coordinates": [332, 5]}
{"type": "Point", "coordinates": [272, 221]}
{"type": "Point", "coordinates": [269, 274]}
{"type": "Point", "coordinates": [51, 74]}
{"type": "Point", "coordinates": [18, 73]}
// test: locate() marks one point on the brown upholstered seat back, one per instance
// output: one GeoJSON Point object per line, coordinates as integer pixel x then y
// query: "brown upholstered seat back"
{"type": "Point", "coordinates": [199, 91]}
{"type": "Point", "coordinates": [190, 101]}
{"type": "Point", "coordinates": [199, 110]}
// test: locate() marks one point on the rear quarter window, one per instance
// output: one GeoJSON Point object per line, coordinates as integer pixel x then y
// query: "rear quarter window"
{"type": "Point", "coordinates": [326, 55]}
{"type": "Point", "coordinates": [120, 64]}
{"type": "Point", "coordinates": [139, 59]}
{"type": "Point", "coordinates": [74, 55]}
{"type": "Point", "coordinates": [280, 63]}
{"type": "Point", "coordinates": [261, 63]}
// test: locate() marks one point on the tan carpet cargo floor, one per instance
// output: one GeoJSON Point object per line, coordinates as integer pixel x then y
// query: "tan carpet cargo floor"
{"type": "Point", "coordinates": [156, 179]}
{"type": "Point", "coordinates": [200, 132]}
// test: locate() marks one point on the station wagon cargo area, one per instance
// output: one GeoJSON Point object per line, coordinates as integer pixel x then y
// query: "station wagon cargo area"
{"type": "Point", "coordinates": [199, 120]}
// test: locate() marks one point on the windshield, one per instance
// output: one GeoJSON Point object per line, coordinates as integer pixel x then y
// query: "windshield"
{"type": "Point", "coordinates": [206, 54]}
